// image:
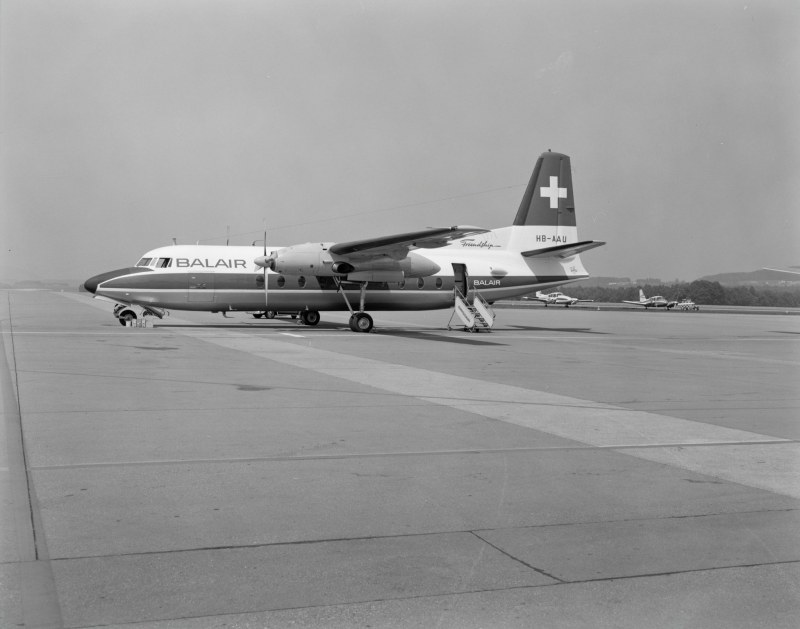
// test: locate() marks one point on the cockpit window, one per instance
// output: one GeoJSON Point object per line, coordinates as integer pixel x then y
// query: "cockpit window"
{"type": "Point", "coordinates": [144, 262]}
{"type": "Point", "coordinates": [164, 263]}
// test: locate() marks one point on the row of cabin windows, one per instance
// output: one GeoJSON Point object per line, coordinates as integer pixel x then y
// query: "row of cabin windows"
{"type": "Point", "coordinates": [301, 282]}
{"type": "Point", "coordinates": [156, 263]}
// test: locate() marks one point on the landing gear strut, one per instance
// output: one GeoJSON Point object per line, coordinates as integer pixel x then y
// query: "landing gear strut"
{"type": "Point", "coordinates": [359, 321]}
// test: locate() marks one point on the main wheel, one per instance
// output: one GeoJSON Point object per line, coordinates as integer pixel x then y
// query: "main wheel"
{"type": "Point", "coordinates": [270, 314]}
{"type": "Point", "coordinates": [361, 322]}
{"type": "Point", "coordinates": [309, 317]}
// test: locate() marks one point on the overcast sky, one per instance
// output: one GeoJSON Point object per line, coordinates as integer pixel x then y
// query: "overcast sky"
{"type": "Point", "coordinates": [128, 122]}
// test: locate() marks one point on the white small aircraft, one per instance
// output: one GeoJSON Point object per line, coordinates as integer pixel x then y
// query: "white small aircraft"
{"type": "Point", "coordinates": [465, 268]}
{"type": "Point", "coordinates": [558, 299]}
{"type": "Point", "coordinates": [686, 304]}
{"type": "Point", "coordinates": [651, 302]}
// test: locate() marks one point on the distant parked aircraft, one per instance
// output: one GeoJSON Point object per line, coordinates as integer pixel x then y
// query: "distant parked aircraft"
{"type": "Point", "coordinates": [558, 299]}
{"type": "Point", "coordinates": [687, 304]}
{"type": "Point", "coordinates": [651, 302]}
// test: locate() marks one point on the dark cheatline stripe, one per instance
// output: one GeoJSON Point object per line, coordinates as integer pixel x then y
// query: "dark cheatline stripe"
{"type": "Point", "coordinates": [93, 282]}
{"type": "Point", "coordinates": [255, 281]}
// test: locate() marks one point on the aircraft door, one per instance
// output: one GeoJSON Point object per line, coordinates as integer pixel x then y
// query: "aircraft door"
{"type": "Point", "coordinates": [460, 278]}
{"type": "Point", "coordinates": [201, 287]}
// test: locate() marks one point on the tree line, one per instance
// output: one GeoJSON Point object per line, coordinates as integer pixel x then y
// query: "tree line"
{"type": "Point", "coordinates": [699, 291]}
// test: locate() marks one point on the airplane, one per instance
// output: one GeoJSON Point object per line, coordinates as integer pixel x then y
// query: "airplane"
{"type": "Point", "coordinates": [558, 299]}
{"type": "Point", "coordinates": [651, 302]}
{"type": "Point", "coordinates": [687, 304]}
{"type": "Point", "coordinates": [458, 267]}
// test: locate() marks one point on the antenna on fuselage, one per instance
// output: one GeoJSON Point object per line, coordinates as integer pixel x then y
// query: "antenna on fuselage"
{"type": "Point", "coordinates": [174, 240]}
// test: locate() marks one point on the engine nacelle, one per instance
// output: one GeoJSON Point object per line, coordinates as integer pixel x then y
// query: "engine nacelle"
{"type": "Point", "coordinates": [415, 265]}
{"type": "Point", "coordinates": [311, 258]}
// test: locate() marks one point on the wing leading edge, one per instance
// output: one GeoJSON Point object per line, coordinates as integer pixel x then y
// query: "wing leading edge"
{"type": "Point", "coordinates": [423, 239]}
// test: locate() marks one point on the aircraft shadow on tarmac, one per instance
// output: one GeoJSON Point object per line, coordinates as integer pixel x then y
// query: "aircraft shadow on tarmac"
{"type": "Point", "coordinates": [328, 328]}
{"type": "Point", "coordinates": [429, 336]}
{"type": "Point", "coordinates": [261, 325]}
{"type": "Point", "coordinates": [532, 328]}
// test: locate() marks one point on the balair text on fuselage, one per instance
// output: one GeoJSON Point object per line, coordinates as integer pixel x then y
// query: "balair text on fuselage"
{"type": "Point", "coordinates": [207, 264]}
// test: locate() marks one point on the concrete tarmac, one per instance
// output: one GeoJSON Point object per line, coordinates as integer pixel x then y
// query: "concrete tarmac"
{"type": "Point", "coordinates": [572, 468]}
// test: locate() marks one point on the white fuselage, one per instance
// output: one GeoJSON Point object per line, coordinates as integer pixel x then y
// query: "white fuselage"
{"type": "Point", "coordinates": [221, 278]}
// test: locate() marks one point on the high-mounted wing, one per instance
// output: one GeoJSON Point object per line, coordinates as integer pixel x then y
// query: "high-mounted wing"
{"type": "Point", "coordinates": [564, 251]}
{"type": "Point", "coordinates": [392, 245]}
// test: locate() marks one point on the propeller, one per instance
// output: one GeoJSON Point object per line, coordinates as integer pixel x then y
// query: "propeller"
{"type": "Point", "coordinates": [266, 281]}
{"type": "Point", "coordinates": [266, 262]}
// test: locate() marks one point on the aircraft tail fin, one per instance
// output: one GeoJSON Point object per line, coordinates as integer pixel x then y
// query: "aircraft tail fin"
{"type": "Point", "coordinates": [641, 295]}
{"type": "Point", "coordinates": [548, 199]}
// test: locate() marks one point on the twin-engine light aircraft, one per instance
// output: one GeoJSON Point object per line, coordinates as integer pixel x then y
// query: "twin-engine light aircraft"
{"type": "Point", "coordinates": [651, 302]}
{"type": "Point", "coordinates": [449, 267]}
{"type": "Point", "coordinates": [557, 299]}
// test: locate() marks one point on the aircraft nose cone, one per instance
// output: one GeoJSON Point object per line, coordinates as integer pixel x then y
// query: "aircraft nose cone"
{"type": "Point", "coordinates": [91, 284]}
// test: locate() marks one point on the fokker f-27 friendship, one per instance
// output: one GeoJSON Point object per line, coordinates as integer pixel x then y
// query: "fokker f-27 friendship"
{"type": "Point", "coordinates": [466, 268]}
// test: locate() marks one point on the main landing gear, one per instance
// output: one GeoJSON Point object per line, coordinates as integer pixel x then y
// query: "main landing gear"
{"type": "Point", "coordinates": [307, 317]}
{"type": "Point", "coordinates": [359, 321]}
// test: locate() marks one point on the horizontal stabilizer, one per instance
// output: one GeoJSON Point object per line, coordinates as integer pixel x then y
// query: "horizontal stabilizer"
{"type": "Point", "coordinates": [564, 251]}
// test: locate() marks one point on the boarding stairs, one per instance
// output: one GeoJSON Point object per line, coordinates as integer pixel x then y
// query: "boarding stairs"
{"type": "Point", "coordinates": [473, 310]}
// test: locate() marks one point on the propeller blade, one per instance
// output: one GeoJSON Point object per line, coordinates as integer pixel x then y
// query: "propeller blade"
{"type": "Point", "coordinates": [266, 279]}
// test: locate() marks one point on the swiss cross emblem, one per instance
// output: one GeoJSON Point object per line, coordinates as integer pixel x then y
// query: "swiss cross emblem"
{"type": "Point", "coordinates": [553, 192]}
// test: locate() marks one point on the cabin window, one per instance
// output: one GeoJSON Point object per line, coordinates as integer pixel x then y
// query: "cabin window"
{"type": "Point", "coordinates": [301, 281]}
{"type": "Point", "coordinates": [164, 263]}
{"type": "Point", "coordinates": [421, 282]}
{"type": "Point", "coordinates": [438, 282]}
{"type": "Point", "coordinates": [281, 281]}
{"type": "Point", "coordinates": [144, 262]}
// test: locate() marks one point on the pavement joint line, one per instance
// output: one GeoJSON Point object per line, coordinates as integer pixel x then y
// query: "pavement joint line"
{"type": "Point", "coordinates": [475, 532]}
{"type": "Point", "coordinates": [420, 453]}
{"type": "Point", "coordinates": [544, 573]}
{"type": "Point", "coordinates": [442, 595]}
{"type": "Point", "coordinates": [39, 604]}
